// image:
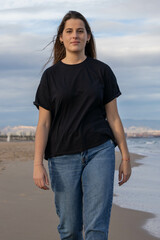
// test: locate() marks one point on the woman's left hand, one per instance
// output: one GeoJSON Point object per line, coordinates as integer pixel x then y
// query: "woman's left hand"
{"type": "Point", "coordinates": [124, 171]}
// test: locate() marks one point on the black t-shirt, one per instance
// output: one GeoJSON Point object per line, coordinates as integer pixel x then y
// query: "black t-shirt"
{"type": "Point", "coordinates": [76, 95]}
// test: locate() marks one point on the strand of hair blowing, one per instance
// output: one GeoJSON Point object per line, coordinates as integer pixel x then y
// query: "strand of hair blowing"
{"type": "Point", "coordinates": [58, 50]}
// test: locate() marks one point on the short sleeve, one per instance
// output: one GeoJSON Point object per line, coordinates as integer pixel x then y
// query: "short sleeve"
{"type": "Point", "coordinates": [42, 97]}
{"type": "Point", "coordinates": [111, 88]}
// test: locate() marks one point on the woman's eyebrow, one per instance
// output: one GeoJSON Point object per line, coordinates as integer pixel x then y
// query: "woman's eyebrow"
{"type": "Point", "coordinates": [81, 28]}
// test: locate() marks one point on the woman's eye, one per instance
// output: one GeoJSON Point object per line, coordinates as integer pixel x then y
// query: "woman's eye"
{"type": "Point", "coordinates": [70, 31]}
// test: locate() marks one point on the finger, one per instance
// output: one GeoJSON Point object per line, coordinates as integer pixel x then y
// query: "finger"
{"type": "Point", "coordinates": [40, 184]}
{"type": "Point", "coordinates": [124, 180]}
{"type": "Point", "coordinates": [121, 182]}
{"type": "Point", "coordinates": [37, 183]}
{"type": "Point", "coordinates": [128, 176]}
{"type": "Point", "coordinates": [46, 179]}
{"type": "Point", "coordinates": [43, 185]}
{"type": "Point", "coordinates": [120, 176]}
{"type": "Point", "coordinates": [45, 188]}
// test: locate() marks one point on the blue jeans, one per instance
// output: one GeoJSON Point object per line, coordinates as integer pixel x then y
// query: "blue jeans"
{"type": "Point", "coordinates": [83, 188]}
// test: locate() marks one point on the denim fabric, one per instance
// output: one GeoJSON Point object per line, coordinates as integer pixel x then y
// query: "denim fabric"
{"type": "Point", "coordinates": [83, 187]}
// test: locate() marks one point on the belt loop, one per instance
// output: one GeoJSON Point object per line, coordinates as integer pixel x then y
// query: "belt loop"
{"type": "Point", "coordinates": [83, 159]}
{"type": "Point", "coordinates": [84, 155]}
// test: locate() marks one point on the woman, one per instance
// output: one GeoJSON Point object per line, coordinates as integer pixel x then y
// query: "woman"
{"type": "Point", "coordinates": [78, 129]}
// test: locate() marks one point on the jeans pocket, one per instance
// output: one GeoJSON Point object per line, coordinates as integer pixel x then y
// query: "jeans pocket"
{"type": "Point", "coordinates": [51, 175]}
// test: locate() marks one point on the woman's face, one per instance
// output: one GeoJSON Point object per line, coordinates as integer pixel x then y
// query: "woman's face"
{"type": "Point", "coordinates": [74, 36]}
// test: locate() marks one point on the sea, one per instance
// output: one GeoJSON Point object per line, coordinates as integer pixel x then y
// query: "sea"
{"type": "Point", "coordinates": [142, 191]}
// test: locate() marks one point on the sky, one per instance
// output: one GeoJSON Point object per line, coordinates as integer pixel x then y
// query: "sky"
{"type": "Point", "coordinates": [127, 36]}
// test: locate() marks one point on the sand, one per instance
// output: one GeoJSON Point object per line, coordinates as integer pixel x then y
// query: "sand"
{"type": "Point", "coordinates": [27, 212]}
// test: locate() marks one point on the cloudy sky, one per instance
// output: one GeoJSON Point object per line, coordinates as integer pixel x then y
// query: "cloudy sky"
{"type": "Point", "coordinates": [127, 34]}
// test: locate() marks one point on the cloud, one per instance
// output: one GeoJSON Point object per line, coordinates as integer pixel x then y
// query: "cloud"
{"type": "Point", "coordinates": [18, 10]}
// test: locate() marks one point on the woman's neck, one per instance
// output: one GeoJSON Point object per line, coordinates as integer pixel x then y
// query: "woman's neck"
{"type": "Point", "coordinates": [74, 59]}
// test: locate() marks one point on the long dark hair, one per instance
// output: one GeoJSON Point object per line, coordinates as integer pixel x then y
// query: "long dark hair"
{"type": "Point", "coordinates": [58, 51]}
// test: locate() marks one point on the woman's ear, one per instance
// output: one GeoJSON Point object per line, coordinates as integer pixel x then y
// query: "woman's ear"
{"type": "Point", "coordinates": [88, 37]}
{"type": "Point", "coordinates": [60, 38]}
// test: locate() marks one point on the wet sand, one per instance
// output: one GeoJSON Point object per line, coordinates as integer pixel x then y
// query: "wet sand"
{"type": "Point", "coordinates": [28, 212]}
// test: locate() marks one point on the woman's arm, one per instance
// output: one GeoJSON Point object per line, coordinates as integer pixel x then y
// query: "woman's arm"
{"type": "Point", "coordinates": [40, 175]}
{"type": "Point", "coordinates": [118, 131]}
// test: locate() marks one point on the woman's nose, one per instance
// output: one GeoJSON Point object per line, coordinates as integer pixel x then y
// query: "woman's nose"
{"type": "Point", "coordinates": [75, 35]}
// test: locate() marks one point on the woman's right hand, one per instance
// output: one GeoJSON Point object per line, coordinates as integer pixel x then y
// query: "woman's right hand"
{"type": "Point", "coordinates": [40, 177]}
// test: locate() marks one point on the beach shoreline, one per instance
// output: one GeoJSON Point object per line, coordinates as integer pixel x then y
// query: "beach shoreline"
{"type": "Point", "coordinates": [24, 151]}
{"type": "Point", "coordinates": [30, 213]}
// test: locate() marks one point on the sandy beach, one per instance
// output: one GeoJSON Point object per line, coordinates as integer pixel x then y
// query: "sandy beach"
{"type": "Point", "coordinates": [28, 212]}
